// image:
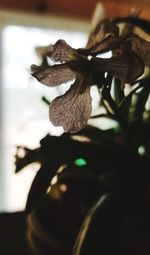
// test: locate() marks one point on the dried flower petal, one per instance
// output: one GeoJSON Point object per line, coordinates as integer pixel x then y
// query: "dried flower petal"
{"type": "Point", "coordinates": [137, 22]}
{"type": "Point", "coordinates": [141, 47]}
{"type": "Point", "coordinates": [73, 109]}
{"type": "Point", "coordinates": [107, 44]}
{"type": "Point", "coordinates": [61, 52]}
{"type": "Point", "coordinates": [103, 29]}
{"type": "Point", "coordinates": [53, 75]}
{"type": "Point", "coordinates": [127, 67]}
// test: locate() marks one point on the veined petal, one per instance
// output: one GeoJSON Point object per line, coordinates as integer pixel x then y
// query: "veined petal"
{"type": "Point", "coordinates": [53, 75]}
{"type": "Point", "coordinates": [109, 43]}
{"type": "Point", "coordinates": [61, 51]}
{"type": "Point", "coordinates": [127, 67]}
{"type": "Point", "coordinates": [73, 109]}
{"type": "Point", "coordinates": [140, 46]}
{"type": "Point", "coordinates": [103, 29]}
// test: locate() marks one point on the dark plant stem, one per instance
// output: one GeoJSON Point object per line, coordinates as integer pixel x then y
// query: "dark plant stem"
{"type": "Point", "coordinates": [45, 100]}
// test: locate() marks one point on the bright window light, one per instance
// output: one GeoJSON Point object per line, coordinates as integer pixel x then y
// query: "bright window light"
{"type": "Point", "coordinates": [24, 115]}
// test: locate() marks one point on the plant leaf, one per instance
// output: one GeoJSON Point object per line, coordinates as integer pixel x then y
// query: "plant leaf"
{"type": "Point", "coordinates": [118, 91]}
{"type": "Point", "coordinates": [125, 105]}
{"type": "Point", "coordinates": [142, 98]}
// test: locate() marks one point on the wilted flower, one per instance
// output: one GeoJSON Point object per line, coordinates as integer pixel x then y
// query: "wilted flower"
{"type": "Point", "coordinates": [140, 47]}
{"type": "Point", "coordinates": [72, 110]}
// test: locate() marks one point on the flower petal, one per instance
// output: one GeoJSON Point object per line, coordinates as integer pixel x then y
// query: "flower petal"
{"type": "Point", "coordinates": [61, 51]}
{"type": "Point", "coordinates": [137, 22]}
{"type": "Point", "coordinates": [141, 47]}
{"type": "Point", "coordinates": [109, 43]}
{"type": "Point", "coordinates": [73, 109]}
{"type": "Point", "coordinates": [103, 29]}
{"type": "Point", "coordinates": [53, 75]}
{"type": "Point", "coordinates": [127, 67]}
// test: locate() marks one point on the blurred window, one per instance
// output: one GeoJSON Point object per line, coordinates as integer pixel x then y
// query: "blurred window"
{"type": "Point", "coordinates": [23, 115]}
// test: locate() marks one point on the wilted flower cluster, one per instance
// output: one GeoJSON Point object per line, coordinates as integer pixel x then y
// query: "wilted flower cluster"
{"type": "Point", "coordinates": [130, 55]}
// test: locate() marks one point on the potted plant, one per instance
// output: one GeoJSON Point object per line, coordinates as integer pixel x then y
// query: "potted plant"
{"type": "Point", "coordinates": [92, 192]}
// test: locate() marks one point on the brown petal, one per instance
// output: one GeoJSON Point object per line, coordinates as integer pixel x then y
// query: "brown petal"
{"type": "Point", "coordinates": [73, 109]}
{"type": "Point", "coordinates": [102, 30]}
{"type": "Point", "coordinates": [109, 43]}
{"type": "Point", "coordinates": [127, 67]}
{"type": "Point", "coordinates": [53, 75]}
{"type": "Point", "coordinates": [141, 47]}
{"type": "Point", "coordinates": [61, 52]}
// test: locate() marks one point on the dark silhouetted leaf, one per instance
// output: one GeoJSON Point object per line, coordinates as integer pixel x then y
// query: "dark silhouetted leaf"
{"type": "Point", "coordinates": [100, 228]}
{"type": "Point", "coordinates": [142, 98]}
{"type": "Point", "coordinates": [118, 91]}
{"type": "Point", "coordinates": [126, 104]}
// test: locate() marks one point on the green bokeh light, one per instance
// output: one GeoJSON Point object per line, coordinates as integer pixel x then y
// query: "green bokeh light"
{"type": "Point", "coordinates": [141, 150]}
{"type": "Point", "coordinates": [80, 162]}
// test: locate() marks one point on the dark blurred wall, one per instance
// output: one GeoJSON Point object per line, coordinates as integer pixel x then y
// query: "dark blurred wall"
{"type": "Point", "coordinates": [77, 8]}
